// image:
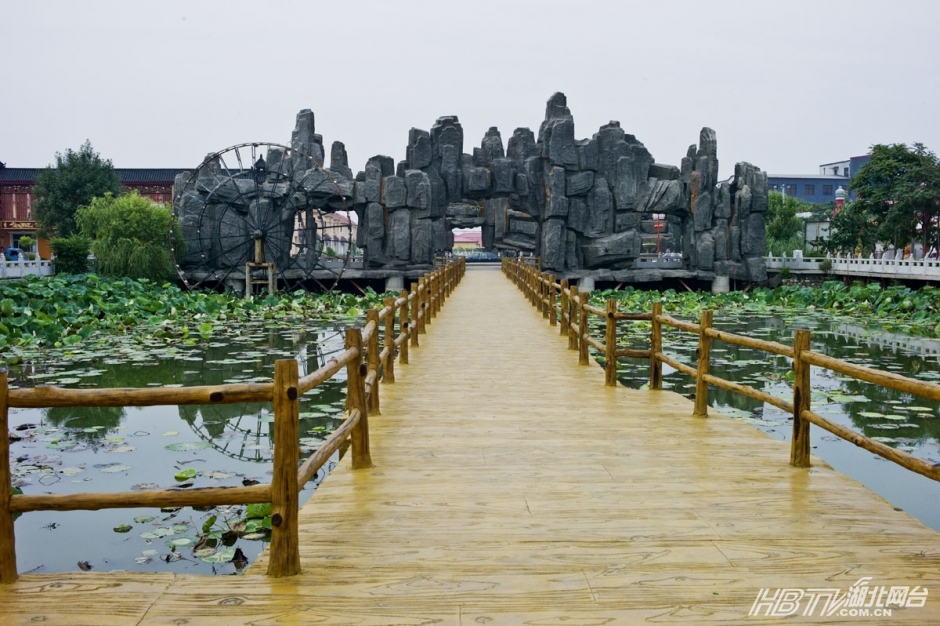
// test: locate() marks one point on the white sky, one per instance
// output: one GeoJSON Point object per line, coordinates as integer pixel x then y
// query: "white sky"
{"type": "Point", "coordinates": [787, 84]}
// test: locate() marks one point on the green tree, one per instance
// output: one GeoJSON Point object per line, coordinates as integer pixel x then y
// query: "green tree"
{"type": "Point", "coordinates": [784, 228]}
{"type": "Point", "coordinates": [76, 178]}
{"type": "Point", "coordinates": [899, 188]}
{"type": "Point", "coordinates": [852, 227]}
{"type": "Point", "coordinates": [130, 236]}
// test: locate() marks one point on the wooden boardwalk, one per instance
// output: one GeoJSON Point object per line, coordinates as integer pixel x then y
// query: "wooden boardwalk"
{"type": "Point", "coordinates": [512, 487]}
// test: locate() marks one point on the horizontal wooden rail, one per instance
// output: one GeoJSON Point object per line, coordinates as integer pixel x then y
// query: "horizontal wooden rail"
{"type": "Point", "coordinates": [749, 342]}
{"type": "Point", "coordinates": [925, 468]}
{"type": "Point", "coordinates": [367, 330]}
{"type": "Point", "coordinates": [49, 396]}
{"type": "Point", "coordinates": [383, 355]}
{"type": "Point", "coordinates": [210, 496]}
{"type": "Point", "coordinates": [885, 379]}
{"type": "Point", "coordinates": [633, 354]}
{"type": "Point", "coordinates": [591, 341]}
{"type": "Point", "coordinates": [327, 371]}
{"type": "Point", "coordinates": [633, 317]}
{"type": "Point", "coordinates": [333, 443]}
{"type": "Point", "coordinates": [595, 311]}
{"type": "Point", "coordinates": [678, 365]}
{"type": "Point", "coordinates": [400, 339]}
{"type": "Point", "coordinates": [671, 321]}
{"type": "Point", "coordinates": [750, 392]}
{"type": "Point", "coordinates": [385, 312]}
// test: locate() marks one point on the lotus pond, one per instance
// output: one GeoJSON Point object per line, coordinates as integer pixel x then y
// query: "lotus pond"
{"type": "Point", "coordinates": [151, 335]}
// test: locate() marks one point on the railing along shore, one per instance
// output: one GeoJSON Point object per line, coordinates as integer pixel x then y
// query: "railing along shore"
{"type": "Point", "coordinates": [563, 305]}
{"type": "Point", "coordinates": [367, 366]}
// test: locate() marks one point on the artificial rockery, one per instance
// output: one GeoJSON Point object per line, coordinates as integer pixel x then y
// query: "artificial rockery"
{"type": "Point", "coordinates": [587, 207]}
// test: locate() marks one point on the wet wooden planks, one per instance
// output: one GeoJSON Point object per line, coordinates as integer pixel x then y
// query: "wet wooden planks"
{"type": "Point", "coordinates": [512, 487]}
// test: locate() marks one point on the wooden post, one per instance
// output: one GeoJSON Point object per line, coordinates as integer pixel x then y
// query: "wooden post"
{"type": "Point", "coordinates": [552, 321]}
{"type": "Point", "coordinates": [356, 400]}
{"type": "Point", "coordinates": [8, 573]}
{"type": "Point", "coordinates": [572, 310]}
{"type": "Point", "coordinates": [800, 443]}
{"type": "Point", "coordinates": [564, 308]}
{"type": "Point", "coordinates": [704, 358]}
{"type": "Point", "coordinates": [610, 342]}
{"type": "Point", "coordinates": [388, 368]}
{"type": "Point", "coordinates": [422, 306]}
{"type": "Point", "coordinates": [583, 325]}
{"type": "Point", "coordinates": [656, 346]}
{"type": "Point", "coordinates": [372, 356]}
{"type": "Point", "coordinates": [403, 328]}
{"type": "Point", "coordinates": [415, 307]}
{"type": "Point", "coordinates": [285, 543]}
{"type": "Point", "coordinates": [427, 300]}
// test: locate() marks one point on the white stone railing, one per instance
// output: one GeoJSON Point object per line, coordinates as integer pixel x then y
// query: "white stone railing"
{"type": "Point", "coordinates": [19, 269]}
{"type": "Point", "coordinates": [924, 269]}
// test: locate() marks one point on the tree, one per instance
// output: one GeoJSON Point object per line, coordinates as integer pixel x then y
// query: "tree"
{"type": "Point", "coordinates": [852, 228]}
{"type": "Point", "coordinates": [899, 188]}
{"type": "Point", "coordinates": [73, 182]}
{"type": "Point", "coordinates": [130, 236]}
{"type": "Point", "coordinates": [784, 228]}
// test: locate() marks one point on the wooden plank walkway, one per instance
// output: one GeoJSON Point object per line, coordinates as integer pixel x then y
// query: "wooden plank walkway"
{"type": "Point", "coordinates": [512, 487]}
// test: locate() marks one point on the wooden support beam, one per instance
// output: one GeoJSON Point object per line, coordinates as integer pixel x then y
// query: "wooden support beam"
{"type": "Point", "coordinates": [704, 359]}
{"type": "Point", "coordinates": [800, 442]}
{"type": "Point", "coordinates": [656, 346]}
{"type": "Point", "coordinates": [285, 542]}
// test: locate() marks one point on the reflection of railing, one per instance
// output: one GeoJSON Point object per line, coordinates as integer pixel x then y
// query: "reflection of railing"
{"type": "Point", "coordinates": [362, 398]}
{"type": "Point", "coordinates": [924, 269]}
{"type": "Point", "coordinates": [558, 300]}
{"type": "Point", "coordinates": [19, 269]}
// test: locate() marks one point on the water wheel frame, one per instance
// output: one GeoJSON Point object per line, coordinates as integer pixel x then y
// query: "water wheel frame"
{"type": "Point", "coordinates": [247, 220]}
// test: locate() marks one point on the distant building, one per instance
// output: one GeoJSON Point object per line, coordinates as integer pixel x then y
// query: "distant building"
{"type": "Point", "coordinates": [822, 187]}
{"type": "Point", "coordinates": [16, 199]}
{"type": "Point", "coordinates": [470, 240]}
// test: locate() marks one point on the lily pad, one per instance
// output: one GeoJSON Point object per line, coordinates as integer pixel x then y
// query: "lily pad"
{"type": "Point", "coordinates": [188, 446]}
{"type": "Point", "coordinates": [143, 519]}
{"type": "Point", "coordinates": [123, 528]}
{"type": "Point", "coordinates": [115, 469]}
{"type": "Point", "coordinates": [184, 475]}
{"type": "Point", "coordinates": [221, 556]}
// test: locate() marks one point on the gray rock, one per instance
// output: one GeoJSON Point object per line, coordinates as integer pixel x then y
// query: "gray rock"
{"type": "Point", "coordinates": [422, 242]}
{"type": "Point", "coordinates": [626, 221]}
{"type": "Point", "coordinates": [615, 248]}
{"type": "Point", "coordinates": [521, 241]}
{"type": "Point", "coordinates": [557, 107]}
{"type": "Point", "coordinates": [579, 183]}
{"type": "Point", "coordinates": [304, 139]}
{"type": "Point", "coordinates": [446, 131]}
{"type": "Point", "coordinates": [723, 203]}
{"type": "Point", "coordinates": [702, 215]}
{"type": "Point", "coordinates": [572, 261]}
{"type": "Point", "coordinates": [377, 168]}
{"type": "Point", "coordinates": [400, 225]}
{"type": "Point", "coordinates": [339, 160]}
{"type": "Point", "coordinates": [722, 236]}
{"type": "Point", "coordinates": [587, 154]}
{"type": "Point", "coordinates": [521, 184]}
{"type": "Point", "coordinates": [664, 172]}
{"type": "Point", "coordinates": [600, 210]}
{"type": "Point", "coordinates": [754, 236]}
{"type": "Point", "coordinates": [742, 200]}
{"type": "Point", "coordinates": [504, 175]}
{"type": "Point", "coordinates": [560, 140]}
{"type": "Point", "coordinates": [708, 143]}
{"type": "Point", "coordinates": [521, 145]}
{"type": "Point", "coordinates": [577, 214]}
{"type": "Point", "coordinates": [375, 235]}
{"type": "Point", "coordinates": [394, 193]}
{"type": "Point", "coordinates": [557, 203]}
{"type": "Point", "coordinates": [535, 200]}
{"type": "Point", "coordinates": [494, 213]}
{"type": "Point", "coordinates": [491, 147]}
{"type": "Point", "coordinates": [438, 200]}
{"type": "Point", "coordinates": [439, 236]}
{"type": "Point", "coordinates": [418, 152]}
{"type": "Point", "coordinates": [554, 236]}
{"type": "Point", "coordinates": [729, 268]}
{"type": "Point", "coordinates": [418, 189]}
{"type": "Point", "coordinates": [705, 251]}
{"type": "Point", "coordinates": [524, 226]}
{"type": "Point", "coordinates": [735, 243]}
{"type": "Point", "coordinates": [663, 196]}
{"type": "Point", "coordinates": [756, 269]}
{"type": "Point", "coordinates": [477, 181]}
{"type": "Point", "coordinates": [631, 174]}
{"type": "Point", "coordinates": [450, 172]}
{"type": "Point", "coordinates": [489, 238]}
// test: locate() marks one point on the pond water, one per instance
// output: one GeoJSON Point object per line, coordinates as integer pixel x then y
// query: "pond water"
{"type": "Point", "coordinates": [903, 421]}
{"type": "Point", "coordinates": [109, 450]}
{"type": "Point", "coordinates": [70, 450]}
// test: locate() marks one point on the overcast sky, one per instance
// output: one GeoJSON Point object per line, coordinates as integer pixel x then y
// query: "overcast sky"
{"type": "Point", "coordinates": [787, 85]}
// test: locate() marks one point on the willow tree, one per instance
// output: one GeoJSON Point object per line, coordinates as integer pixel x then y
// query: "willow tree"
{"type": "Point", "coordinates": [130, 236]}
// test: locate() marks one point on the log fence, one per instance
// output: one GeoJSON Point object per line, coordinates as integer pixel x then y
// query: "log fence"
{"type": "Point", "coordinates": [574, 310]}
{"type": "Point", "coordinates": [366, 368]}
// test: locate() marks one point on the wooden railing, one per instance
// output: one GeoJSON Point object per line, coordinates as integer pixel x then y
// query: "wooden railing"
{"type": "Point", "coordinates": [563, 305]}
{"type": "Point", "coordinates": [366, 365]}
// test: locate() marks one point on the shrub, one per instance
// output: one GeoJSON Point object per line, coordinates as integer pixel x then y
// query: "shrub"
{"type": "Point", "coordinates": [71, 254]}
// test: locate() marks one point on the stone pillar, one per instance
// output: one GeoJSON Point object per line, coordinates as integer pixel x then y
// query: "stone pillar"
{"type": "Point", "coordinates": [394, 283]}
{"type": "Point", "coordinates": [721, 284]}
{"type": "Point", "coordinates": [585, 284]}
